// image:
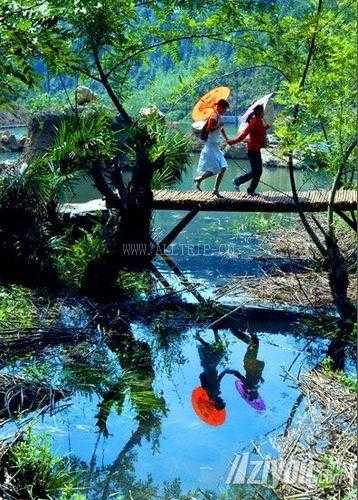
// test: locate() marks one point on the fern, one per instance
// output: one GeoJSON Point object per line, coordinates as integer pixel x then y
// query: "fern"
{"type": "Point", "coordinates": [171, 150]}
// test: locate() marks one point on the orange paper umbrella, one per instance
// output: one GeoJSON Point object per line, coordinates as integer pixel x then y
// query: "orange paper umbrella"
{"type": "Point", "coordinates": [204, 407]}
{"type": "Point", "coordinates": [204, 107]}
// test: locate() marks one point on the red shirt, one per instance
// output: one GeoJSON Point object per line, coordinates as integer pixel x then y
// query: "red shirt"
{"type": "Point", "coordinates": [256, 131]}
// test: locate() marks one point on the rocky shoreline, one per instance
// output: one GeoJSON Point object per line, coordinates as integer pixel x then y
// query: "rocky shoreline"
{"type": "Point", "coordinates": [9, 143]}
{"type": "Point", "coordinates": [16, 118]}
{"type": "Point", "coordinates": [270, 155]}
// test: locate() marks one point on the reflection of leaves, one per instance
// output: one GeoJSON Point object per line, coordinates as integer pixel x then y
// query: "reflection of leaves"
{"type": "Point", "coordinates": [168, 338]}
{"type": "Point", "coordinates": [141, 394]}
{"type": "Point", "coordinates": [148, 406]}
{"type": "Point", "coordinates": [134, 283]}
{"type": "Point", "coordinates": [88, 370]}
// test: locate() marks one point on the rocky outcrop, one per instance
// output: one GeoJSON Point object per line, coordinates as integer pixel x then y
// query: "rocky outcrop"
{"type": "Point", "coordinates": [15, 118]}
{"type": "Point", "coordinates": [84, 95]}
{"type": "Point", "coordinates": [42, 131]}
{"type": "Point", "coordinates": [272, 158]}
{"type": "Point", "coordinates": [9, 143]}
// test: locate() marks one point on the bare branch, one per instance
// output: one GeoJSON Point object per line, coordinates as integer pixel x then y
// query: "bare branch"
{"type": "Point", "coordinates": [107, 86]}
{"type": "Point", "coordinates": [215, 37]}
{"type": "Point", "coordinates": [296, 110]}
{"type": "Point", "coordinates": [336, 184]}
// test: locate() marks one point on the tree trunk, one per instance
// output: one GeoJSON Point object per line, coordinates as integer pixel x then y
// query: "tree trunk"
{"type": "Point", "coordinates": [135, 223]}
{"type": "Point", "coordinates": [128, 230]}
{"type": "Point", "coordinates": [339, 281]}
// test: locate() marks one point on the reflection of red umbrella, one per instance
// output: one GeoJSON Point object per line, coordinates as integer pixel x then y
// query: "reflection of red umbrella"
{"type": "Point", "coordinates": [204, 407]}
{"type": "Point", "coordinates": [204, 107]}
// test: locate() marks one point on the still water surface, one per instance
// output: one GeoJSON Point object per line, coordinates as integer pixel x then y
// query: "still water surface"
{"type": "Point", "coordinates": [136, 387]}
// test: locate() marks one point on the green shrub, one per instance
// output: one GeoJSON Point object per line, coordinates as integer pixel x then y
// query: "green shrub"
{"type": "Point", "coordinates": [134, 283]}
{"type": "Point", "coordinates": [72, 260]}
{"type": "Point", "coordinates": [329, 475]}
{"type": "Point", "coordinates": [38, 472]}
{"type": "Point", "coordinates": [350, 382]}
{"type": "Point", "coordinates": [42, 101]}
{"type": "Point", "coordinates": [261, 223]}
{"type": "Point", "coordinates": [17, 310]}
{"type": "Point", "coordinates": [36, 370]}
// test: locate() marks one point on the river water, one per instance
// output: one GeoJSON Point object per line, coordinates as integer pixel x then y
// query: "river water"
{"type": "Point", "coordinates": [135, 385]}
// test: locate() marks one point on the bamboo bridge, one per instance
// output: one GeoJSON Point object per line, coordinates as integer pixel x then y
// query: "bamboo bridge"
{"type": "Point", "coordinates": [232, 201]}
{"type": "Point", "coordinates": [195, 201]}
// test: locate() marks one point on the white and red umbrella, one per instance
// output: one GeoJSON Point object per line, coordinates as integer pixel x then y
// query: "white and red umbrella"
{"type": "Point", "coordinates": [266, 102]}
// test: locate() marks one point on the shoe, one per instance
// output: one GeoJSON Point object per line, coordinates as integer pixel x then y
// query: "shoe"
{"type": "Point", "coordinates": [197, 184]}
{"type": "Point", "coordinates": [252, 193]}
{"type": "Point", "coordinates": [236, 184]}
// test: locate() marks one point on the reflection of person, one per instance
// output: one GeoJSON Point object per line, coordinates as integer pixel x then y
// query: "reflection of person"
{"type": "Point", "coordinates": [212, 160]}
{"type": "Point", "coordinates": [210, 357]}
{"type": "Point", "coordinates": [253, 370]}
{"type": "Point", "coordinates": [256, 130]}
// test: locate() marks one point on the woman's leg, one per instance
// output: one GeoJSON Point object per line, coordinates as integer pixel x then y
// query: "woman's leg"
{"type": "Point", "coordinates": [219, 178]}
{"type": "Point", "coordinates": [256, 166]}
{"type": "Point", "coordinates": [198, 180]}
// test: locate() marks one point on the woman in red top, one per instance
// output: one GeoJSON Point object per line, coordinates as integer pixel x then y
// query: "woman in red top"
{"type": "Point", "coordinates": [256, 130]}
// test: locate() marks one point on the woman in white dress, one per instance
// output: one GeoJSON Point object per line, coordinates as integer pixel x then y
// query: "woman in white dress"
{"type": "Point", "coordinates": [212, 160]}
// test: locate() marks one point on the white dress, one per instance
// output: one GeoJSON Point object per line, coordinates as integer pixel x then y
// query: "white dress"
{"type": "Point", "coordinates": [212, 158]}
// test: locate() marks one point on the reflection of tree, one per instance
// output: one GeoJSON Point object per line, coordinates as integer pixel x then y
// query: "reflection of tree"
{"type": "Point", "coordinates": [136, 382]}
{"type": "Point", "coordinates": [87, 369]}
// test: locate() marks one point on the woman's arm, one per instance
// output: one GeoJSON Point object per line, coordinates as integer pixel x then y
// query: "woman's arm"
{"type": "Point", "coordinates": [223, 131]}
{"type": "Point", "coordinates": [240, 136]}
{"type": "Point", "coordinates": [236, 373]}
{"type": "Point", "coordinates": [266, 125]}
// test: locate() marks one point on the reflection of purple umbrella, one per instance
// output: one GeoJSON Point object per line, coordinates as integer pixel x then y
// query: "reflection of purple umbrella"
{"type": "Point", "coordinates": [258, 404]}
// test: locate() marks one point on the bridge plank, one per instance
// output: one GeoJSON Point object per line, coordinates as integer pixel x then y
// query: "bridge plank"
{"type": "Point", "coordinates": [232, 201]}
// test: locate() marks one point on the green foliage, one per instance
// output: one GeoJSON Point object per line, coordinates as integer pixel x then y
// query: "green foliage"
{"type": "Point", "coordinates": [29, 200]}
{"type": "Point", "coordinates": [24, 34]}
{"type": "Point", "coordinates": [205, 311]}
{"type": "Point", "coordinates": [31, 187]}
{"type": "Point", "coordinates": [321, 99]}
{"type": "Point", "coordinates": [37, 370]}
{"type": "Point", "coordinates": [82, 139]}
{"type": "Point", "coordinates": [134, 284]}
{"type": "Point", "coordinates": [169, 149]}
{"type": "Point", "coordinates": [146, 403]}
{"type": "Point", "coordinates": [350, 382]}
{"type": "Point", "coordinates": [261, 223]}
{"type": "Point", "coordinates": [173, 150]}
{"type": "Point", "coordinates": [39, 473]}
{"type": "Point", "coordinates": [329, 475]}
{"type": "Point", "coordinates": [17, 310]}
{"type": "Point", "coordinates": [87, 371]}
{"type": "Point", "coordinates": [72, 259]}
{"type": "Point", "coordinates": [41, 101]}
{"type": "Point", "coordinates": [173, 90]}
{"type": "Point", "coordinates": [351, 495]}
